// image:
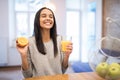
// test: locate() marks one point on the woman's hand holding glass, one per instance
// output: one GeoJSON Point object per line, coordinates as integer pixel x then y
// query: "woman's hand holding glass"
{"type": "Point", "coordinates": [66, 45]}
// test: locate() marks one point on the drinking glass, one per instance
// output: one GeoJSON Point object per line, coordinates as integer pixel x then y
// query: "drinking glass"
{"type": "Point", "coordinates": [66, 40]}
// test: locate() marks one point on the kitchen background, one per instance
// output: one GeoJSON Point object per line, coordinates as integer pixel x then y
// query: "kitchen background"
{"type": "Point", "coordinates": [82, 19]}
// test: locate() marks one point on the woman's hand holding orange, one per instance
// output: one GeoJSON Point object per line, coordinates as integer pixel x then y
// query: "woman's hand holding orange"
{"type": "Point", "coordinates": [22, 45]}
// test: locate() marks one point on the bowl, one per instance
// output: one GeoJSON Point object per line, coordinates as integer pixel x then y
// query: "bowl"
{"type": "Point", "coordinates": [104, 58]}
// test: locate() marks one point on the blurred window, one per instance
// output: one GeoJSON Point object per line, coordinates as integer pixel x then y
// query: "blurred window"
{"type": "Point", "coordinates": [21, 17]}
{"type": "Point", "coordinates": [73, 19]}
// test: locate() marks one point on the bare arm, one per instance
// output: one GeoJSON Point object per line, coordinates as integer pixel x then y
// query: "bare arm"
{"type": "Point", "coordinates": [25, 65]}
{"type": "Point", "coordinates": [66, 55]}
{"type": "Point", "coordinates": [23, 52]}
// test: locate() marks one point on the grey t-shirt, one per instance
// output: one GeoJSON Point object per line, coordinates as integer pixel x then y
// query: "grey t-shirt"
{"type": "Point", "coordinates": [42, 65]}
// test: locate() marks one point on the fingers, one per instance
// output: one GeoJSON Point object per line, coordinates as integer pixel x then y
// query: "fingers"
{"type": "Point", "coordinates": [69, 48]}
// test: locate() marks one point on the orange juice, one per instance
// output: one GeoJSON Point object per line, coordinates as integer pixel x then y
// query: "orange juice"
{"type": "Point", "coordinates": [64, 44]}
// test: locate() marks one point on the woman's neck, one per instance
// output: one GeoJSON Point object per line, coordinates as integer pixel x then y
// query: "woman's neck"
{"type": "Point", "coordinates": [46, 36]}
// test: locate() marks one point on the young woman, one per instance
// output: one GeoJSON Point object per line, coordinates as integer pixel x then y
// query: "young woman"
{"type": "Point", "coordinates": [42, 56]}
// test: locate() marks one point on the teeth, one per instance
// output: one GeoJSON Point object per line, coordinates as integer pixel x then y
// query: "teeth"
{"type": "Point", "coordinates": [47, 23]}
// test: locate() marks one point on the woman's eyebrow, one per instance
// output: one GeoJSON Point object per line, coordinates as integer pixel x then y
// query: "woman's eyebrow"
{"type": "Point", "coordinates": [43, 14]}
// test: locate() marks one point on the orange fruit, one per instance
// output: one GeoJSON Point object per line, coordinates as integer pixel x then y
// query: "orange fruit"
{"type": "Point", "coordinates": [22, 41]}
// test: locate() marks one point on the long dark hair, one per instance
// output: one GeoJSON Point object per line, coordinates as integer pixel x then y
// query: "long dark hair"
{"type": "Point", "coordinates": [38, 36]}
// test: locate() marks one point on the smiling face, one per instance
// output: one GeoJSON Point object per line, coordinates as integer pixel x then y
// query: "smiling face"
{"type": "Point", "coordinates": [46, 19]}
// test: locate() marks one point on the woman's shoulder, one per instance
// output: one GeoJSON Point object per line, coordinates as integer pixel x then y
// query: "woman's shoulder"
{"type": "Point", "coordinates": [59, 38]}
{"type": "Point", "coordinates": [31, 39]}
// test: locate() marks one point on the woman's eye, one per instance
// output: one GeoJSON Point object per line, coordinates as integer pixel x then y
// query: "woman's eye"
{"type": "Point", "coordinates": [51, 16]}
{"type": "Point", "coordinates": [43, 15]}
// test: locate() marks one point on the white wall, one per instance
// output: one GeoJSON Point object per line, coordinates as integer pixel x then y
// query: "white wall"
{"type": "Point", "coordinates": [4, 31]}
{"type": "Point", "coordinates": [99, 19]}
{"type": "Point", "coordinates": [4, 18]}
{"type": "Point", "coordinates": [13, 57]}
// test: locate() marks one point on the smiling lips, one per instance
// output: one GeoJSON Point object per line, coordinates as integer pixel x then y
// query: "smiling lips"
{"type": "Point", "coordinates": [48, 23]}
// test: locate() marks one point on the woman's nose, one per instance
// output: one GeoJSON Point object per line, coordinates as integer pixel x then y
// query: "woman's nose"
{"type": "Point", "coordinates": [48, 18]}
